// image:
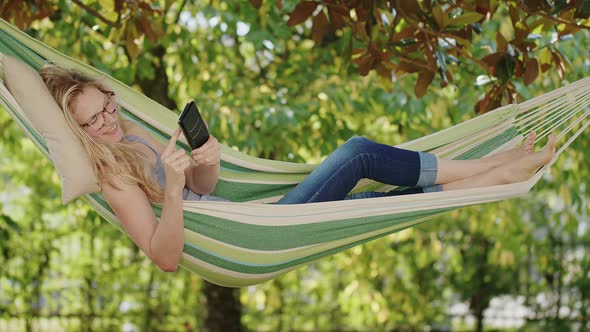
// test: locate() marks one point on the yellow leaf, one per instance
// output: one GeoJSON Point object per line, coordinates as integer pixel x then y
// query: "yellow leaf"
{"type": "Point", "coordinates": [131, 46]}
{"type": "Point", "coordinates": [502, 44]}
{"type": "Point", "coordinates": [466, 18]}
{"type": "Point", "coordinates": [545, 56]}
{"type": "Point", "coordinates": [440, 16]}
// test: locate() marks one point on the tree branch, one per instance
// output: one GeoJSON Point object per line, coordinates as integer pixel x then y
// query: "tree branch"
{"type": "Point", "coordinates": [180, 11]}
{"type": "Point", "coordinates": [555, 19]}
{"type": "Point", "coordinates": [97, 14]}
{"type": "Point", "coordinates": [412, 61]}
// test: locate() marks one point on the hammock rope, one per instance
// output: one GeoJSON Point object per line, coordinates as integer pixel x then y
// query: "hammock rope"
{"type": "Point", "coordinates": [245, 242]}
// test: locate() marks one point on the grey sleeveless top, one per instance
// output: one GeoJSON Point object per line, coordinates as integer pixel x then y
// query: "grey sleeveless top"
{"type": "Point", "coordinates": [160, 175]}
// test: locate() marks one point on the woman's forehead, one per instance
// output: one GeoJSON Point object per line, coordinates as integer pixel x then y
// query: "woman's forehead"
{"type": "Point", "coordinates": [89, 101]}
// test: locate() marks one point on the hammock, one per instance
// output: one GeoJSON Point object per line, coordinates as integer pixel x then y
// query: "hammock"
{"type": "Point", "coordinates": [246, 241]}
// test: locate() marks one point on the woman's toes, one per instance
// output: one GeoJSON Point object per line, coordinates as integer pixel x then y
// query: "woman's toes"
{"type": "Point", "coordinates": [529, 142]}
{"type": "Point", "coordinates": [549, 150]}
{"type": "Point", "coordinates": [523, 168]}
{"type": "Point", "coordinates": [551, 143]}
{"type": "Point", "coordinates": [552, 140]}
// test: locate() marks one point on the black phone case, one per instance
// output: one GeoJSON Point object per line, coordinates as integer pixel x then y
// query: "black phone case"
{"type": "Point", "coordinates": [193, 126]}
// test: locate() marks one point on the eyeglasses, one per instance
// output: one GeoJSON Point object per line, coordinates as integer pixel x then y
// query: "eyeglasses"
{"type": "Point", "coordinates": [98, 120]}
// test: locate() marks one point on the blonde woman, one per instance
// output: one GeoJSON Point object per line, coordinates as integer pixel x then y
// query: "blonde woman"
{"type": "Point", "coordinates": [134, 169]}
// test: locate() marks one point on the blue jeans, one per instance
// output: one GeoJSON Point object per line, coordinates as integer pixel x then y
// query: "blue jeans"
{"type": "Point", "coordinates": [361, 158]}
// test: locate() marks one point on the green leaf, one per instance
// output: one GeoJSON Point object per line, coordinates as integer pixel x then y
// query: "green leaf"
{"type": "Point", "coordinates": [346, 49]}
{"type": "Point", "coordinates": [505, 69]}
{"type": "Point", "coordinates": [558, 6]}
{"type": "Point", "coordinates": [10, 223]}
{"type": "Point", "coordinates": [440, 17]}
{"type": "Point", "coordinates": [583, 10]}
{"type": "Point", "coordinates": [466, 18]}
{"type": "Point", "coordinates": [403, 42]}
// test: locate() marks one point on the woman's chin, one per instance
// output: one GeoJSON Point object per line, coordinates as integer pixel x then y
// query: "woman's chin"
{"type": "Point", "coordinates": [114, 137]}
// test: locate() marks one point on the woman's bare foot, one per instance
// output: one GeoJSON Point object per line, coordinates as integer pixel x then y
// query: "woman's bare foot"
{"type": "Point", "coordinates": [523, 168]}
{"type": "Point", "coordinates": [503, 157]}
{"type": "Point", "coordinates": [519, 169]}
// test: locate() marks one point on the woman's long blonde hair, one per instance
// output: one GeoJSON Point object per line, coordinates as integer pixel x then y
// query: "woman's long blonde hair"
{"type": "Point", "coordinates": [121, 160]}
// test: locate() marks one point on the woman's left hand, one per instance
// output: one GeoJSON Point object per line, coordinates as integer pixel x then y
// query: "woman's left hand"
{"type": "Point", "coordinates": [208, 154]}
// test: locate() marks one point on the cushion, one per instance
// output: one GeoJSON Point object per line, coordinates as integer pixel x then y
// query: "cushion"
{"type": "Point", "coordinates": [66, 151]}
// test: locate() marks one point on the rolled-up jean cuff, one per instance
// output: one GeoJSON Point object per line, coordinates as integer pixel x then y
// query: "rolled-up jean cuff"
{"type": "Point", "coordinates": [433, 189]}
{"type": "Point", "coordinates": [428, 169]}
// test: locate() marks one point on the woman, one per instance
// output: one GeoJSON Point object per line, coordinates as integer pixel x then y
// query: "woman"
{"type": "Point", "coordinates": [134, 169]}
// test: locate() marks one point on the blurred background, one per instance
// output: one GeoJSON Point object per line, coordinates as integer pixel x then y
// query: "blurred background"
{"type": "Point", "coordinates": [291, 80]}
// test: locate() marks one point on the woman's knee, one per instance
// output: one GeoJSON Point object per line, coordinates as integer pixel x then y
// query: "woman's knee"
{"type": "Point", "coordinates": [356, 145]}
{"type": "Point", "coordinates": [357, 142]}
{"type": "Point", "coordinates": [353, 146]}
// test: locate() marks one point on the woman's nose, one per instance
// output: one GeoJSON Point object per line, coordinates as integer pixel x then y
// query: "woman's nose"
{"type": "Point", "coordinates": [110, 118]}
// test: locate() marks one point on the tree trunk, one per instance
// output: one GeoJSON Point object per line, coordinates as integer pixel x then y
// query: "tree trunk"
{"type": "Point", "coordinates": [86, 324]}
{"type": "Point", "coordinates": [157, 88]}
{"type": "Point", "coordinates": [481, 298]}
{"type": "Point", "coordinates": [28, 323]}
{"type": "Point", "coordinates": [148, 312]}
{"type": "Point", "coordinates": [224, 309]}
{"type": "Point", "coordinates": [479, 317]}
{"type": "Point", "coordinates": [584, 292]}
{"type": "Point", "coordinates": [583, 315]}
{"type": "Point", "coordinates": [559, 282]}
{"type": "Point", "coordinates": [89, 290]}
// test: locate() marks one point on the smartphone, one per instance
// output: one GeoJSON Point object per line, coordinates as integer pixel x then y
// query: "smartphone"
{"type": "Point", "coordinates": [193, 126]}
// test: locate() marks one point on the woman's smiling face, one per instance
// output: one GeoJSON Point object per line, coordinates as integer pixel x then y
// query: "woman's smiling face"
{"type": "Point", "coordinates": [96, 112]}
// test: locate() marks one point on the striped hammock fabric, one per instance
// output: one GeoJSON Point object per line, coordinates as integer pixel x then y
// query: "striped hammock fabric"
{"type": "Point", "coordinates": [248, 241]}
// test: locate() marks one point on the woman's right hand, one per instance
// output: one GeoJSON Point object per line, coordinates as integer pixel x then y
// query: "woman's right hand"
{"type": "Point", "coordinates": [175, 163]}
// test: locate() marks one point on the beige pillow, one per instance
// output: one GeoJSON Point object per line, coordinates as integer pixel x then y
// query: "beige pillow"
{"type": "Point", "coordinates": [66, 151]}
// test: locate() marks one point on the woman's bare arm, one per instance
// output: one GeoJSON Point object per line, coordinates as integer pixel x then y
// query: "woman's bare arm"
{"type": "Point", "coordinates": [202, 179]}
{"type": "Point", "coordinates": [204, 172]}
{"type": "Point", "coordinates": [161, 241]}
